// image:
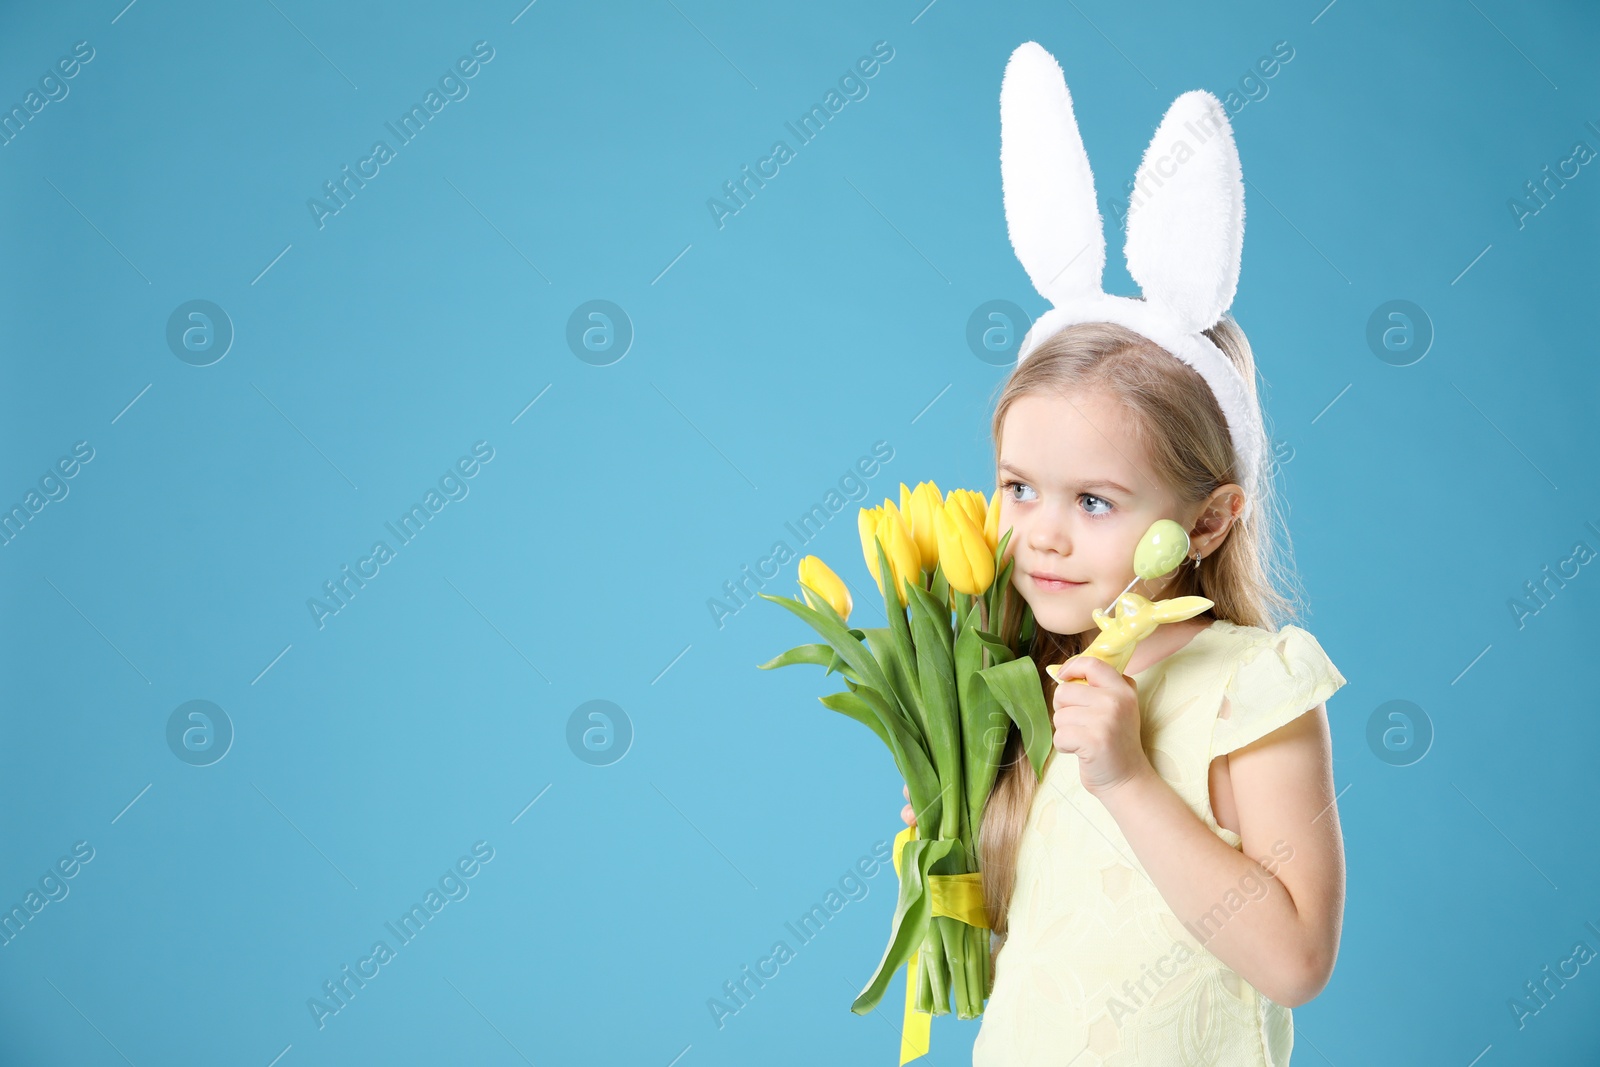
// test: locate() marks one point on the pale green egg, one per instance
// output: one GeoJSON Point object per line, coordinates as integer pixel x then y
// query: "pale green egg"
{"type": "Point", "coordinates": [1161, 549]}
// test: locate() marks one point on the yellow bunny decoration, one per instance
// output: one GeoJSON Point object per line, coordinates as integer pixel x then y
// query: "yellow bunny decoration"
{"type": "Point", "coordinates": [1161, 549]}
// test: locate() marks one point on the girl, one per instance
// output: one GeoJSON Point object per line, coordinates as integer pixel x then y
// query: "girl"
{"type": "Point", "coordinates": [1175, 883]}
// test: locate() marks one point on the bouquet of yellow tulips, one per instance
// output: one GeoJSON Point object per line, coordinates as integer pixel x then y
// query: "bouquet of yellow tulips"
{"type": "Point", "coordinates": [937, 685]}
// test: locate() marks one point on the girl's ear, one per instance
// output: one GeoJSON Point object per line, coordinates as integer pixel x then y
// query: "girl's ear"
{"type": "Point", "coordinates": [1051, 213]}
{"type": "Point", "coordinates": [1220, 511]}
{"type": "Point", "coordinates": [1186, 214]}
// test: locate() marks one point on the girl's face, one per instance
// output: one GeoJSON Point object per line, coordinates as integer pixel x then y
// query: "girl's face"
{"type": "Point", "coordinates": [1076, 490]}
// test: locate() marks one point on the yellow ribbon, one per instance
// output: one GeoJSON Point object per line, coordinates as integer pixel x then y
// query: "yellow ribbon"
{"type": "Point", "coordinates": [960, 896]}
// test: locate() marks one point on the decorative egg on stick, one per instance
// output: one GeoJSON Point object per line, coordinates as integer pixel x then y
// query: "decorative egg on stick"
{"type": "Point", "coordinates": [1162, 548]}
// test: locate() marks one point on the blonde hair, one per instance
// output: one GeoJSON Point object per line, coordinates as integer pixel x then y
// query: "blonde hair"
{"type": "Point", "coordinates": [1185, 436]}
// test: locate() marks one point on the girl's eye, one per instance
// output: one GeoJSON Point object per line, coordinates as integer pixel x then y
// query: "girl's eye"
{"type": "Point", "coordinates": [1006, 487]}
{"type": "Point", "coordinates": [1101, 499]}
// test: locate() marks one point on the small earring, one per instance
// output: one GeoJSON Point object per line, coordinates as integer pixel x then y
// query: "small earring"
{"type": "Point", "coordinates": [1197, 561]}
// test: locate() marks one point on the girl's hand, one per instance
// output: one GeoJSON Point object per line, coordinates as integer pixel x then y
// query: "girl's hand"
{"type": "Point", "coordinates": [909, 816]}
{"type": "Point", "coordinates": [1100, 722]}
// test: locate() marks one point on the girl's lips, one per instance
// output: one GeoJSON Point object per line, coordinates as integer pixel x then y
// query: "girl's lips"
{"type": "Point", "coordinates": [1053, 584]}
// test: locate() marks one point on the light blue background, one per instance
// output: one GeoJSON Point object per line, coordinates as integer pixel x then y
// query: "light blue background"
{"type": "Point", "coordinates": [828, 315]}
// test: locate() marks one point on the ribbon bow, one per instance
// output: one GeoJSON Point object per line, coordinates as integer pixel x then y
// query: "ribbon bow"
{"type": "Point", "coordinates": [959, 896]}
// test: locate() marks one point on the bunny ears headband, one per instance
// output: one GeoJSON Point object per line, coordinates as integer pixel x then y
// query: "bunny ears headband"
{"type": "Point", "coordinates": [1185, 231]}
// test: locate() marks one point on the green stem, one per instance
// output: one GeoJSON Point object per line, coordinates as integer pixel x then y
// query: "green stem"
{"type": "Point", "coordinates": [958, 968]}
{"type": "Point", "coordinates": [924, 980]}
{"type": "Point", "coordinates": [988, 965]}
{"type": "Point", "coordinates": [938, 968]}
{"type": "Point", "coordinates": [955, 952]}
{"type": "Point", "coordinates": [977, 952]}
{"type": "Point", "coordinates": [965, 988]}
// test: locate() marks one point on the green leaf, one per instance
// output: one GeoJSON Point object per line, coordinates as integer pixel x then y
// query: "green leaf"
{"type": "Point", "coordinates": [984, 724]}
{"type": "Point", "coordinates": [901, 633]}
{"type": "Point", "coordinates": [940, 587]}
{"type": "Point", "coordinates": [930, 632]}
{"type": "Point", "coordinates": [827, 622]}
{"type": "Point", "coordinates": [912, 913]}
{"type": "Point", "coordinates": [821, 655]}
{"type": "Point", "coordinates": [910, 756]}
{"type": "Point", "coordinates": [1005, 539]}
{"type": "Point", "coordinates": [937, 614]}
{"type": "Point", "coordinates": [1017, 687]}
{"type": "Point", "coordinates": [898, 667]}
{"type": "Point", "coordinates": [852, 705]}
{"type": "Point", "coordinates": [999, 651]}
{"type": "Point", "coordinates": [1001, 589]}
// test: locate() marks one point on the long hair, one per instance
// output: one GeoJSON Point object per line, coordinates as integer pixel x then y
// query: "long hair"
{"type": "Point", "coordinates": [1186, 439]}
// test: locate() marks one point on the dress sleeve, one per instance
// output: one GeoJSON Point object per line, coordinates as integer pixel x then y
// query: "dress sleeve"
{"type": "Point", "coordinates": [1278, 680]}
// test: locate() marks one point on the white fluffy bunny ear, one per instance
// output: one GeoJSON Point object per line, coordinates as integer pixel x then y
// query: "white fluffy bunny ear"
{"type": "Point", "coordinates": [1050, 206]}
{"type": "Point", "coordinates": [1186, 214]}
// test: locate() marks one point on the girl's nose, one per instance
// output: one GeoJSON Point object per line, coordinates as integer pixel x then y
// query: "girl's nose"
{"type": "Point", "coordinates": [1047, 535]}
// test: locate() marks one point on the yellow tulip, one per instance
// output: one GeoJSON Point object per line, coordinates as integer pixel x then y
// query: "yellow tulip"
{"type": "Point", "coordinates": [867, 524]}
{"type": "Point", "coordinates": [816, 576]}
{"type": "Point", "coordinates": [974, 503]}
{"type": "Point", "coordinates": [904, 560]}
{"type": "Point", "coordinates": [918, 507]}
{"type": "Point", "coordinates": [991, 524]}
{"type": "Point", "coordinates": [966, 557]}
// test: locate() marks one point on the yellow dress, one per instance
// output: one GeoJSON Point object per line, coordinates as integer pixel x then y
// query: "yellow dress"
{"type": "Point", "coordinates": [1096, 970]}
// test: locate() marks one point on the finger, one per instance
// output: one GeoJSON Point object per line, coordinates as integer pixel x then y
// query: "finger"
{"type": "Point", "coordinates": [1073, 695]}
{"type": "Point", "coordinates": [1068, 737]}
{"type": "Point", "coordinates": [905, 791]}
{"type": "Point", "coordinates": [1072, 718]}
{"type": "Point", "coordinates": [1078, 666]}
{"type": "Point", "coordinates": [1058, 671]}
{"type": "Point", "coordinates": [1091, 669]}
{"type": "Point", "coordinates": [908, 816]}
{"type": "Point", "coordinates": [1081, 735]}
